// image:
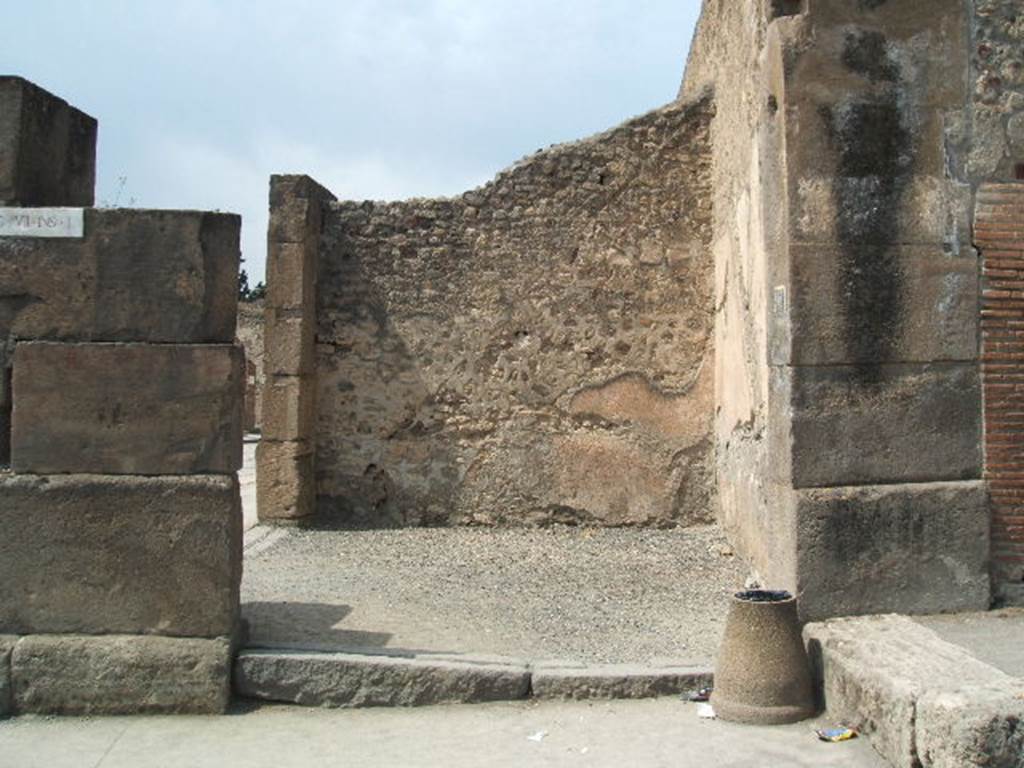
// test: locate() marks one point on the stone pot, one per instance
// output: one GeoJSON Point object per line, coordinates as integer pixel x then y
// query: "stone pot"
{"type": "Point", "coordinates": [763, 676]}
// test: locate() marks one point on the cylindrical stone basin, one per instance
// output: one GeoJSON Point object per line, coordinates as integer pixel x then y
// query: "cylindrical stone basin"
{"type": "Point", "coordinates": [762, 676]}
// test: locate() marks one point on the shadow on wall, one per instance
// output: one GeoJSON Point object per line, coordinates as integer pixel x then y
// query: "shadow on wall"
{"type": "Point", "coordinates": [535, 351]}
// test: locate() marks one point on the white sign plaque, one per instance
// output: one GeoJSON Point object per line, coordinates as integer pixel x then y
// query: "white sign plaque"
{"type": "Point", "coordinates": [42, 222]}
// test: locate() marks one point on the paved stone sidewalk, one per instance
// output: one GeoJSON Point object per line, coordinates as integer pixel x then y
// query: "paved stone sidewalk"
{"type": "Point", "coordinates": [663, 732]}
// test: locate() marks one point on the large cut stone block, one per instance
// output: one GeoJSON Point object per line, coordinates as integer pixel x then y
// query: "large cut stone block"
{"type": "Point", "coordinates": [289, 408]}
{"type": "Point", "coordinates": [143, 409]}
{"type": "Point", "coordinates": [137, 555]}
{"type": "Point", "coordinates": [876, 424]}
{"type": "Point", "coordinates": [121, 674]}
{"type": "Point", "coordinates": [296, 209]}
{"type": "Point", "coordinates": [972, 726]}
{"type": "Point", "coordinates": [291, 275]}
{"type": "Point", "coordinates": [874, 671]}
{"type": "Point", "coordinates": [290, 345]}
{"type": "Point", "coordinates": [920, 548]}
{"type": "Point", "coordinates": [159, 276]}
{"type": "Point", "coordinates": [326, 679]}
{"type": "Point", "coordinates": [872, 304]}
{"type": "Point", "coordinates": [47, 148]}
{"type": "Point", "coordinates": [6, 646]}
{"type": "Point", "coordinates": [285, 483]}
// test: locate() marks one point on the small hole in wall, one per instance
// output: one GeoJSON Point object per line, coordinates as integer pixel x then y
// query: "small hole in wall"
{"type": "Point", "coordinates": [773, 105]}
{"type": "Point", "coordinates": [786, 8]}
{"type": "Point", "coordinates": [1018, 171]}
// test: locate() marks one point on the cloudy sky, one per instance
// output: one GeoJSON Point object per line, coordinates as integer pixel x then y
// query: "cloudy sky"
{"type": "Point", "coordinates": [199, 101]}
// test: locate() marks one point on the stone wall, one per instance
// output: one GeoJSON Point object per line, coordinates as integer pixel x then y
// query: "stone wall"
{"type": "Point", "coordinates": [120, 515]}
{"type": "Point", "coordinates": [250, 335]}
{"type": "Point", "coordinates": [848, 398]}
{"type": "Point", "coordinates": [537, 350]}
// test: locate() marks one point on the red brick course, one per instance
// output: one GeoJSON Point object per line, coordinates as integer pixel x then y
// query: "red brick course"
{"type": "Point", "coordinates": [999, 234]}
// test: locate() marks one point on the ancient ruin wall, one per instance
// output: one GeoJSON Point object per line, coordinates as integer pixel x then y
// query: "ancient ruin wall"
{"type": "Point", "coordinates": [250, 335]}
{"type": "Point", "coordinates": [537, 350]}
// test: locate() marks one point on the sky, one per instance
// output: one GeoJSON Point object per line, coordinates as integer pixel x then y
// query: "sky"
{"type": "Point", "coordinates": [199, 101]}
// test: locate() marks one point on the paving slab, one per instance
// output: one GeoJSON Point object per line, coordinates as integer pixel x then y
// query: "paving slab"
{"type": "Point", "coordinates": [995, 637]}
{"type": "Point", "coordinates": [593, 596]}
{"type": "Point", "coordinates": [660, 732]}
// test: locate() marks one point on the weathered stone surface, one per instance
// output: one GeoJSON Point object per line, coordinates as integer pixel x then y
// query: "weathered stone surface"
{"type": "Point", "coordinates": [6, 696]}
{"type": "Point", "coordinates": [120, 674]}
{"type": "Point", "coordinates": [289, 408]}
{"type": "Point", "coordinates": [313, 678]}
{"type": "Point", "coordinates": [935, 314]}
{"type": "Point", "coordinates": [489, 359]}
{"type": "Point", "coordinates": [917, 548]}
{"type": "Point", "coordinates": [296, 211]}
{"type": "Point", "coordinates": [875, 424]}
{"type": "Point", "coordinates": [290, 344]}
{"type": "Point", "coordinates": [250, 336]}
{"type": "Point", "coordinates": [47, 148]}
{"type": "Point", "coordinates": [875, 670]}
{"type": "Point", "coordinates": [158, 276]}
{"type": "Point", "coordinates": [561, 680]}
{"type": "Point", "coordinates": [101, 554]}
{"type": "Point", "coordinates": [143, 409]}
{"type": "Point", "coordinates": [972, 726]}
{"type": "Point", "coordinates": [291, 274]}
{"type": "Point", "coordinates": [284, 480]}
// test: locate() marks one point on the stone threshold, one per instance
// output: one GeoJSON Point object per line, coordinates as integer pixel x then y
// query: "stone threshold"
{"type": "Point", "coordinates": [347, 678]}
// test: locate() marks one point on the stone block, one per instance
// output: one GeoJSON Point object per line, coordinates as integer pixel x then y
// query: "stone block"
{"type": "Point", "coordinates": [47, 148]}
{"type": "Point", "coordinates": [291, 275]}
{"type": "Point", "coordinates": [296, 209]}
{"type": "Point", "coordinates": [290, 345]}
{"type": "Point", "coordinates": [6, 698]}
{"type": "Point", "coordinates": [120, 675]}
{"type": "Point", "coordinates": [880, 305]}
{"type": "Point", "coordinates": [285, 482]}
{"type": "Point", "coordinates": [976, 726]}
{"type": "Point", "coordinates": [558, 680]}
{"type": "Point", "coordinates": [876, 424]}
{"type": "Point", "coordinates": [320, 679]}
{"type": "Point", "coordinates": [874, 670]}
{"type": "Point", "coordinates": [156, 276]}
{"type": "Point", "coordinates": [146, 409]}
{"type": "Point", "coordinates": [289, 408]}
{"type": "Point", "coordinates": [921, 548]}
{"type": "Point", "coordinates": [135, 555]}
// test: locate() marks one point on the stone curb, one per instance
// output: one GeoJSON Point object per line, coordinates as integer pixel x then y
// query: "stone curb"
{"type": "Point", "coordinates": [349, 678]}
{"type": "Point", "coordinates": [923, 702]}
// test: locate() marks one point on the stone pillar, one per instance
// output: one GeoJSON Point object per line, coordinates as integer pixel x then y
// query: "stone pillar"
{"type": "Point", "coordinates": [999, 233]}
{"type": "Point", "coordinates": [285, 480]}
{"type": "Point", "coordinates": [121, 522]}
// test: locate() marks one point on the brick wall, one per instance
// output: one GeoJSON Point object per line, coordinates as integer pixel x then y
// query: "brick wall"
{"type": "Point", "coordinates": [999, 234]}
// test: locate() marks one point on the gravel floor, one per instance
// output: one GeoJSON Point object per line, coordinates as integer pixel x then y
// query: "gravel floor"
{"type": "Point", "coordinates": [561, 593]}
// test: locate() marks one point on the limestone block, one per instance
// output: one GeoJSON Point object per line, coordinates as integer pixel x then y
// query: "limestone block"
{"type": "Point", "coordinates": [876, 305]}
{"type": "Point", "coordinates": [291, 275]}
{"type": "Point", "coordinates": [296, 209]}
{"type": "Point", "coordinates": [559, 680]}
{"type": "Point", "coordinates": [6, 647]}
{"type": "Point", "coordinates": [290, 345]}
{"type": "Point", "coordinates": [347, 680]}
{"type": "Point", "coordinates": [136, 555]}
{"type": "Point", "coordinates": [875, 424]}
{"type": "Point", "coordinates": [976, 726]}
{"type": "Point", "coordinates": [121, 674]}
{"type": "Point", "coordinates": [127, 408]}
{"type": "Point", "coordinates": [158, 276]}
{"type": "Point", "coordinates": [921, 548]}
{"type": "Point", "coordinates": [285, 484]}
{"type": "Point", "coordinates": [289, 408]}
{"type": "Point", "coordinates": [874, 670]}
{"type": "Point", "coordinates": [47, 148]}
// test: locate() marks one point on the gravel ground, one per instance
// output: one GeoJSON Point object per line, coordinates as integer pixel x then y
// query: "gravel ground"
{"type": "Point", "coordinates": [601, 595]}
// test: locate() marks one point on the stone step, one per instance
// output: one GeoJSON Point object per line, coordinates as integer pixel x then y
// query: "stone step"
{"type": "Point", "coordinates": [349, 678]}
{"type": "Point", "coordinates": [923, 702]}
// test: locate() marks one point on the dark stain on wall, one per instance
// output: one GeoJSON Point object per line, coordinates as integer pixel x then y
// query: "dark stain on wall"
{"type": "Point", "coordinates": [875, 158]}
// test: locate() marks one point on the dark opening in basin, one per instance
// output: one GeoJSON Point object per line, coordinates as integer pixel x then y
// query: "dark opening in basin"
{"type": "Point", "coordinates": [764, 596]}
